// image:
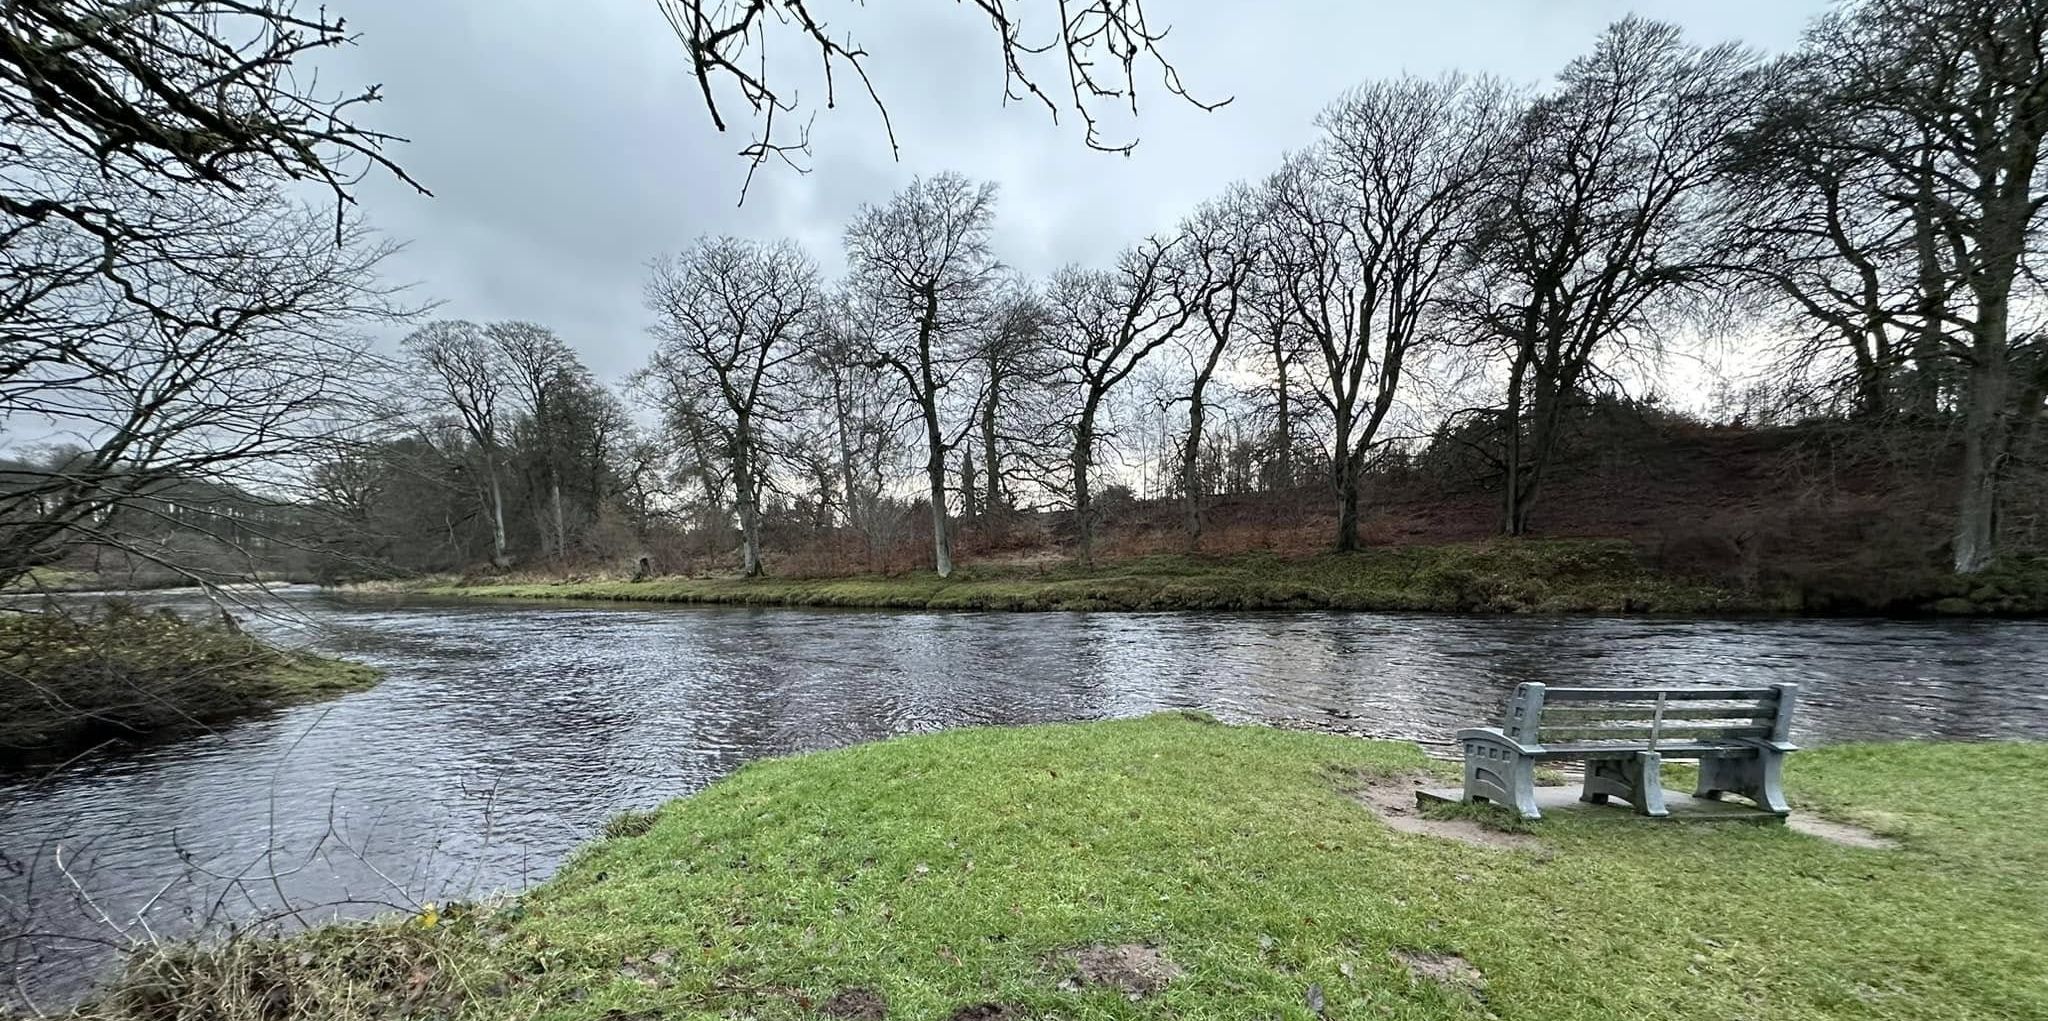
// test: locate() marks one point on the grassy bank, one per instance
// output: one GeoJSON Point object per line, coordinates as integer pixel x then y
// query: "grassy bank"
{"type": "Point", "coordinates": [75, 680]}
{"type": "Point", "coordinates": [1544, 577]}
{"type": "Point", "coordinates": [1176, 868]}
{"type": "Point", "coordinates": [1524, 576]}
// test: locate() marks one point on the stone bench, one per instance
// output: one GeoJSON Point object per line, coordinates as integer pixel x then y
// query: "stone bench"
{"type": "Point", "coordinates": [1623, 735]}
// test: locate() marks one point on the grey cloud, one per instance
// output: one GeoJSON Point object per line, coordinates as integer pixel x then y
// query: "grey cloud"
{"type": "Point", "coordinates": [567, 146]}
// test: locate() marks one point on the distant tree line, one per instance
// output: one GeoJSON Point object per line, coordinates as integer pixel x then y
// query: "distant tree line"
{"type": "Point", "coordinates": [1454, 270]}
{"type": "Point", "coordinates": [1452, 260]}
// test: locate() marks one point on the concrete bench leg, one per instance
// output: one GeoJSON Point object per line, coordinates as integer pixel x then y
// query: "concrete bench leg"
{"type": "Point", "coordinates": [1756, 777]}
{"type": "Point", "coordinates": [1508, 780]}
{"type": "Point", "coordinates": [1638, 781]}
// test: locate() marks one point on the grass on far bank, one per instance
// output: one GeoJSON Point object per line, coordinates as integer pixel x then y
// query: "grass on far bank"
{"type": "Point", "coordinates": [47, 579]}
{"type": "Point", "coordinates": [956, 875]}
{"type": "Point", "coordinates": [1542, 576]}
{"type": "Point", "coordinates": [70, 680]}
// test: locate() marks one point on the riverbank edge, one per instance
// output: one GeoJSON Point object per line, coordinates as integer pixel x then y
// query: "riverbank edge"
{"type": "Point", "coordinates": [260, 679]}
{"type": "Point", "coordinates": [844, 884]}
{"type": "Point", "coordinates": [1555, 576]}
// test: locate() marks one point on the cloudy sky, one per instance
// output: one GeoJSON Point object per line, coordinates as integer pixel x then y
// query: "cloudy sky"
{"type": "Point", "coordinates": [566, 145]}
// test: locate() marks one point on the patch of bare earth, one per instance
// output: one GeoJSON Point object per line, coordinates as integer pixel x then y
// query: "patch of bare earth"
{"type": "Point", "coordinates": [1843, 833]}
{"type": "Point", "coordinates": [1134, 969]}
{"type": "Point", "coordinates": [1443, 969]}
{"type": "Point", "coordinates": [989, 1012]}
{"type": "Point", "coordinates": [854, 1003]}
{"type": "Point", "coordinates": [1392, 798]}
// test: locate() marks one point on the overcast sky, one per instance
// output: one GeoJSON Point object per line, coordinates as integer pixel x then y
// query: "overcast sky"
{"type": "Point", "coordinates": [566, 144]}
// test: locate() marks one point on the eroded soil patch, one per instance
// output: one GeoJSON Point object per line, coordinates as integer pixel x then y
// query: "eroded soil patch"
{"type": "Point", "coordinates": [1843, 833]}
{"type": "Point", "coordinates": [1392, 798]}
{"type": "Point", "coordinates": [989, 1012]}
{"type": "Point", "coordinates": [855, 1003]}
{"type": "Point", "coordinates": [1443, 969]}
{"type": "Point", "coordinates": [1134, 969]}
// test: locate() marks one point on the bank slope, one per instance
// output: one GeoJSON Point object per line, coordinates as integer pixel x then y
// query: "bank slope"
{"type": "Point", "coordinates": [968, 874]}
{"type": "Point", "coordinates": [1542, 576]}
{"type": "Point", "coordinates": [74, 681]}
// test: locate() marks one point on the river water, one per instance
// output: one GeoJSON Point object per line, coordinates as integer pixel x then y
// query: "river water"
{"type": "Point", "coordinates": [506, 734]}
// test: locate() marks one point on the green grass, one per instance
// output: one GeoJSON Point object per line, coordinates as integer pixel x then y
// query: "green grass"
{"type": "Point", "coordinates": [956, 869]}
{"type": "Point", "coordinates": [70, 681]}
{"type": "Point", "coordinates": [1544, 576]}
{"type": "Point", "coordinates": [48, 579]}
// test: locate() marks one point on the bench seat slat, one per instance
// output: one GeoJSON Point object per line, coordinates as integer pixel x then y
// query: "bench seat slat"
{"type": "Point", "coordinates": [1674, 749]}
{"type": "Point", "coordinates": [1745, 714]}
{"type": "Point", "coordinates": [1641, 734]}
{"type": "Point", "coordinates": [1651, 694]}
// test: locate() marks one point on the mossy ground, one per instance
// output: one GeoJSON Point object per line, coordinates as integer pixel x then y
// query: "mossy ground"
{"type": "Point", "coordinates": [942, 872]}
{"type": "Point", "coordinates": [73, 680]}
{"type": "Point", "coordinates": [1545, 576]}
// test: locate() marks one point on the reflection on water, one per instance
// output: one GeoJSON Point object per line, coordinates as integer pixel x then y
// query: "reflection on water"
{"type": "Point", "coordinates": [507, 734]}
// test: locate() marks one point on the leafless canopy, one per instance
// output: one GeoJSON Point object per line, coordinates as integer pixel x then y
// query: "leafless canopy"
{"type": "Point", "coordinates": [1099, 46]}
{"type": "Point", "coordinates": [171, 305]}
{"type": "Point", "coordinates": [921, 270]}
{"type": "Point", "coordinates": [171, 93]}
{"type": "Point", "coordinates": [731, 316]}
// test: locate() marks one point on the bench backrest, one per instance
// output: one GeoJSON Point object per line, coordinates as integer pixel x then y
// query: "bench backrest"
{"type": "Point", "coordinates": [1539, 714]}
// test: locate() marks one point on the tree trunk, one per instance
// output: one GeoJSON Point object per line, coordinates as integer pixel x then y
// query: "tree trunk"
{"type": "Point", "coordinates": [561, 532]}
{"type": "Point", "coordinates": [1083, 458]}
{"type": "Point", "coordinates": [1283, 423]}
{"type": "Point", "coordinates": [1511, 521]}
{"type": "Point", "coordinates": [970, 495]}
{"type": "Point", "coordinates": [935, 473]}
{"type": "Point", "coordinates": [1984, 439]}
{"type": "Point", "coordinates": [1344, 481]}
{"type": "Point", "coordinates": [843, 417]}
{"type": "Point", "coordinates": [1191, 450]}
{"type": "Point", "coordinates": [747, 501]}
{"type": "Point", "coordinates": [1555, 380]}
{"type": "Point", "coordinates": [1190, 464]}
{"type": "Point", "coordinates": [1873, 387]}
{"type": "Point", "coordinates": [992, 465]}
{"type": "Point", "coordinates": [498, 557]}
{"type": "Point", "coordinates": [1347, 502]}
{"type": "Point", "coordinates": [1929, 355]}
{"type": "Point", "coordinates": [934, 435]}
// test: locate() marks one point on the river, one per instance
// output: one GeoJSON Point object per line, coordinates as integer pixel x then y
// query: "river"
{"type": "Point", "coordinates": [506, 734]}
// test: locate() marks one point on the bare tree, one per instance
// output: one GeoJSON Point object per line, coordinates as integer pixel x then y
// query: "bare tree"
{"type": "Point", "coordinates": [921, 270]}
{"type": "Point", "coordinates": [1950, 98]}
{"type": "Point", "coordinates": [732, 318]}
{"type": "Point", "coordinates": [167, 300]}
{"type": "Point", "coordinates": [228, 379]}
{"type": "Point", "coordinates": [539, 369]}
{"type": "Point", "coordinates": [853, 405]}
{"type": "Point", "coordinates": [183, 94]}
{"type": "Point", "coordinates": [1370, 223]}
{"type": "Point", "coordinates": [1010, 370]}
{"type": "Point", "coordinates": [1606, 219]}
{"type": "Point", "coordinates": [1097, 46]}
{"type": "Point", "coordinates": [1269, 312]}
{"type": "Point", "coordinates": [1821, 232]}
{"type": "Point", "coordinates": [469, 371]}
{"type": "Point", "coordinates": [1223, 248]}
{"type": "Point", "coordinates": [1107, 324]}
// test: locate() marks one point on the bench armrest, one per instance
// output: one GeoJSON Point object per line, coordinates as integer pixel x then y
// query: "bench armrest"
{"type": "Point", "coordinates": [1498, 738]}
